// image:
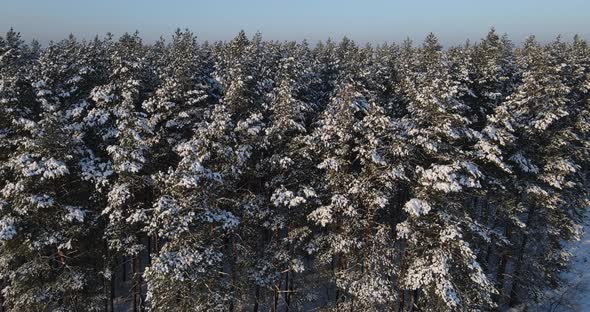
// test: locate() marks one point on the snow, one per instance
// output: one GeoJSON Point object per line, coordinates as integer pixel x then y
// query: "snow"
{"type": "Point", "coordinates": [297, 266]}
{"type": "Point", "coordinates": [96, 117]}
{"type": "Point", "coordinates": [417, 207]}
{"type": "Point", "coordinates": [119, 194]}
{"type": "Point", "coordinates": [7, 229]}
{"type": "Point", "coordinates": [49, 168]}
{"type": "Point", "coordinates": [524, 164]}
{"type": "Point", "coordinates": [574, 294]}
{"type": "Point", "coordinates": [286, 162]}
{"type": "Point", "coordinates": [321, 216]}
{"type": "Point", "coordinates": [309, 192]}
{"type": "Point", "coordinates": [91, 169]}
{"type": "Point", "coordinates": [422, 273]}
{"type": "Point", "coordinates": [102, 94]}
{"type": "Point", "coordinates": [252, 125]}
{"type": "Point", "coordinates": [75, 214]}
{"type": "Point", "coordinates": [225, 218]}
{"type": "Point", "coordinates": [441, 178]}
{"type": "Point", "coordinates": [284, 197]}
{"type": "Point", "coordinates": [42, 201]}
{"type": "Point", "coordinates": [329, 163]}
{"type": "Point", "coordinates": [54, 169]}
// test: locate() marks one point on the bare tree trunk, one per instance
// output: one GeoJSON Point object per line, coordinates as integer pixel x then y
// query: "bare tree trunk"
{"type": "Point", "coordinates": [149, 250]}
{"type": "Point", "coordinates": [156, 243]}
{"type": "Point", "coordinates": [109, 283]}
{"type": "Point", "coordinates": [232, 268]}
{"type": "Point", "coordinates": [134, 285]}
{"type": "Point", "coordinates": [291, 288]}
{"type": "Point", "coordinates": [414, 305]}
{"type": "Point", "coordinates": [275, 298]}
{"type": "Point", "coordinates": [112, 293]}
{"type": "Point", "coordinates": [2, 301]}
{"type": "Point", "coordinates": [287, 293]}
{"type": "Point", "coordinates": [335, 264]}
{"type": "Point", "coordinates": [503, 274]}
{"type": "Point", "coordinates": [401, 199]}
{"type": "Point", "coordinates": [490, 256]}
{"type": "Point", "coordinates": [124, 263]}
{"type": "Point", "coordinates": [256, 298]}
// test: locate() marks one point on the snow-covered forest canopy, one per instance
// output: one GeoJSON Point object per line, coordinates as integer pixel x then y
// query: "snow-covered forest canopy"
{"type": "Point", "coordinates": [256, 175]}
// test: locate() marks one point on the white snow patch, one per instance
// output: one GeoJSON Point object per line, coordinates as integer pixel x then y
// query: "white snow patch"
{"type": "Point", "coordinates": [417, 207]}
{"type": "Point", "coordinates": [574, 295]}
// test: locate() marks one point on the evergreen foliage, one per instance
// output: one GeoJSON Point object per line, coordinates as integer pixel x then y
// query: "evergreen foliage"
{"type": "Point", "coordinates": [259, 175]}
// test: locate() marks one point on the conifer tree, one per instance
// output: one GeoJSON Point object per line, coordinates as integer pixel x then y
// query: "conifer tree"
{"type": "Point", "coordinates": [270, 176]}
{"type": "Point", "coordinates": [56, 226]}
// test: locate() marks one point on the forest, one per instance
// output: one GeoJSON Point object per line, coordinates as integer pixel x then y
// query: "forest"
{"type": "Point", "coordinates": [258, 175]}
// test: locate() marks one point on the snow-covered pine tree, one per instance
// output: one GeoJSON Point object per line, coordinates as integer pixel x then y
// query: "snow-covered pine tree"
{"type": "Point", "coordinates": [17, 102]}
{"type": "Point", "coordinates": [492, 77]}
{"type": "Point", "coordinates": [579, 60]}
{"type": "Point", "coordinates": [247, 83]}
{"type": "Point", "coordinates": [192, 219]}
{"type": "Point", "coordinates": [550, 184]}
{"type": "Point", "coordinates": [380, 76]}
{"type": "Point", "coordinates": [216, 162]}
{"type": "Point", "coordinates": [351, 246]}
{"type": "Point", "coordinates": [369, 282]}
{"type": "Point", "coordinates": [185, 92]}
{"type": "Point", "coordinates": [125, 136]}
{"type": "Point", "coordinates": [328, 68]}
{"type": "Point", "coordinates": [335, 216]}
{"type": "Point", "coordinates": [438, 263]}
{"type": "Point", "coordinates": [492, 71]}
{"type": "Point", "coordinates": [272, 176]}
{"type": "Point", "coordinates": [280, 206]}
{"type": "Point", "coordinates": [56, 223]}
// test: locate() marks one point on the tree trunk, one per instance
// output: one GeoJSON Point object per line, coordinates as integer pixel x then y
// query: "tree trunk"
{"type": "Point", "coordinates": [519, 261]}
{"type": "Point", "coordinates": [287, 293]}
{"type": "Point", "coordinates": [109, 263]}
{"type": "Point", "coordinates": [502, 270]}
{"type": "Point", "coordinates": [156, 243]}
{"type": "Point", "coordinates": [149, 250]}
{"type": "Point", "coordinates": [256, 298]}
{"type": "Point", "coordinates": [335, 264]}
{"type": "Point", "coordinates": [1, 298]}
{"type": "Point", "coordinates": [134, 285]}
{"type": "Point", "coordinates": [414, 306]}
{"type": "Point", "coordinates": [124, 263]}
{"type": "Point", "coordinates": [232, 268]}
{"type": "Point", "coordinates": [275, 298]}
{"type": "Point", "coordinates": [112, 293]}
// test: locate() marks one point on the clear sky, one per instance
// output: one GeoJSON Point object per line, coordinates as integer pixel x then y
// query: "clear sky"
{"type": "Point", "coordinates": [363, 21]}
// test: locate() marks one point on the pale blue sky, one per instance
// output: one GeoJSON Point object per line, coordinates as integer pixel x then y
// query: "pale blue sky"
{"type": "Point", "coordinates": [371, 20]}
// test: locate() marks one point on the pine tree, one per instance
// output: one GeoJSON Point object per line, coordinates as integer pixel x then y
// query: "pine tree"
{"type": "Point", "coordinates": [125, 137]}
{"type": "Point", "coordinates": [438, 262]}
{"type": "Point", "coordinates": [184, 93]}
{"type": "Point", "coordinates": [17, 103]}
{"type": "Point", "coordinates": [492, 74]}
{"type": "Point", "coordinates": [541, 117]}
{"type": "Point", "coordinates": [56, 226]}
{"type": "Point", "coordinates": [191, 218]}
{"type": "Point", "coordinates": [262, 175]}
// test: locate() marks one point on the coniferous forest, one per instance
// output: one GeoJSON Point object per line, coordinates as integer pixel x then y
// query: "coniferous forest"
{"type": "Point", "coordinates": [256, 175]}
